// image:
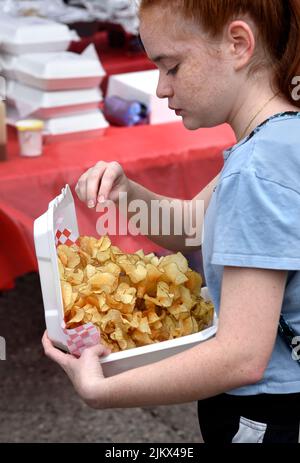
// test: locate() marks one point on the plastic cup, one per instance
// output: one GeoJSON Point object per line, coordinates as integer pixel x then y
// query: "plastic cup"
{"type": "Point", "coordinates": [30, 134]}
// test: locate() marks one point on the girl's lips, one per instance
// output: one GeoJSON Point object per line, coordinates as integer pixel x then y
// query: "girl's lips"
{"type": "Point", "coordinates": [178, 111]}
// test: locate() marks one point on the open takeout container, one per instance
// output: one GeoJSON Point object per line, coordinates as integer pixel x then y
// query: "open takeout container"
{"type": "Point", "coordinates": [59, 226]}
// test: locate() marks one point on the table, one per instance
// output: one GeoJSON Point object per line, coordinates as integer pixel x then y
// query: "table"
{"type": "Point", "coordinates": [167, 159]}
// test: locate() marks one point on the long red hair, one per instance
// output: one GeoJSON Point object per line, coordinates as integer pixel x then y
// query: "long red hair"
{"type": "Point", "coordinates": [277, 22]}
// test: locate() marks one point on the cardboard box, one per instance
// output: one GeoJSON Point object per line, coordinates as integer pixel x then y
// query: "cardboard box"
{"type": "Point", "coordinates": [141, 86]}
{"type": "Point", "coordinates": [59, 224]}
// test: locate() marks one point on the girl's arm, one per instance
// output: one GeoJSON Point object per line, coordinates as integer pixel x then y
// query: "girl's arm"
{"type": "Point", "coordinates": [107, 180]}
{"type": "Point", "coordinates": [196, 208]}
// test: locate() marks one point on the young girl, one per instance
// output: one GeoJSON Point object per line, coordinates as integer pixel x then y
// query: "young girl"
{"type": "Point", "coordinates": [222, 61]}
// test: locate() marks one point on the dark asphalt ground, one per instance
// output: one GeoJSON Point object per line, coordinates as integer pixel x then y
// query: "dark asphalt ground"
{"type": "Point", "coordinates": [38, 404]}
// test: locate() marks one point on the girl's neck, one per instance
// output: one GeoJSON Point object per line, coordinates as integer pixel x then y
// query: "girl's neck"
{"type": "Point", "coordinates": [255, 107]}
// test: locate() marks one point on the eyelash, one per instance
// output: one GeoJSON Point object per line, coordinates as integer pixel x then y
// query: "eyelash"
{"type": "Point", "coordinates": [173, 71]}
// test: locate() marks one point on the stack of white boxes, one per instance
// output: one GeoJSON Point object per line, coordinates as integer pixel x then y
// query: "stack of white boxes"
{"type": "Point", "coordinates": [45, 81]}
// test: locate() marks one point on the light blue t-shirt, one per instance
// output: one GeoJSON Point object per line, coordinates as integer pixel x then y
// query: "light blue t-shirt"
{"type": "Point", "coordinates": [253, 220]}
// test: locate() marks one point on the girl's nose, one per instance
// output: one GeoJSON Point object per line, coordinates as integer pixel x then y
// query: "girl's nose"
{"type": "Point", "coordinates": [164, 89]}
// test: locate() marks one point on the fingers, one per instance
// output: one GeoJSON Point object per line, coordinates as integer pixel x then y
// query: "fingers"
{"type": "Point", "coordinates": [96, 351]}
{"type": "Point", "coordinates": [80, 188]}
{"type": "Point", "coordinates": [110, 177]}
{"type": "Point", "coordinates": [54, 354]}
{"type": "Point", "coordinates": [96, 184]}
{"type": "Point", "coordinates": [93, 183]}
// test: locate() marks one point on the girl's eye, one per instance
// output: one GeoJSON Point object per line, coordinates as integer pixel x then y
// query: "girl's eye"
{"type": "Point", "coordinates": [173, 71]}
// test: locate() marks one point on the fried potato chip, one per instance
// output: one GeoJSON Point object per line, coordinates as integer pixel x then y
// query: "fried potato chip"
{"type": "Point", "coordinates": [136, 271]}
{"type": "Point", "coordinates": [164, 298]}
{"type": "Point", "coordinates": [178, 259]}
{"type": "Point", "coordinates": [105, 282]}
{"type": "Point", "coordinates": [174, 275]}
{"type": "Point", "coordinates": [73, 277]}
{"type": "Point", "coordinates": [141, 339]}
{"type": "Point", "coordinates": [78, 317]}
{"type": "Point", "coordinates": [68, 256]}
{"type": "Point", "coordinates": [61, 269]}
{"type": "Point", "coordinates": [67, 291]}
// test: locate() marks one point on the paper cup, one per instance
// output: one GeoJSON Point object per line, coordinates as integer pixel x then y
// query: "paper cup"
{"type": "Point", "coordinates": [30, 134]}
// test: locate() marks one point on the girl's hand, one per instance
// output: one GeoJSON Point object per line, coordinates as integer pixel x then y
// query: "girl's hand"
{"type": "Point", "coordinates": [102, 182]}
{"type": "Point", "coordinates": [85, 373]}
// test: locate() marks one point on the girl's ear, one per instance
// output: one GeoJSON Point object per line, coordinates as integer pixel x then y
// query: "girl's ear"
{"type": "Point", "coordinates": [242, 43]}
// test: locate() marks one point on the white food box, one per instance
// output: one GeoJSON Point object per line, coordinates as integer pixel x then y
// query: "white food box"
{"type": "Point", "coordinates": [61, 215]}
{"type": "Point", "coordinates": [55, 71]}
{"type": "Point", "coordinates": [87, 125]}
{"type": "Point", "coordinates": [32, 102]}
{"type": "Point", "coordinates": [92, 124]}
{"type": "Point", "coordinates": [8, 65]}
{"type": "Point", "coordinates": [20, 35]}
{"type": "Point", "coordinates": [141, 86]}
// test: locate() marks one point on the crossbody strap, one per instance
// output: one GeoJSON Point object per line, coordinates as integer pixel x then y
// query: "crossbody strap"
{"type": "Point", "coordinates": [288, 334]}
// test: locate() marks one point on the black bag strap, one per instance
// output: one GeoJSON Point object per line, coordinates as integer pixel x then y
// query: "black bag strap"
{"type": "Point", "coordinates": [288, 334]}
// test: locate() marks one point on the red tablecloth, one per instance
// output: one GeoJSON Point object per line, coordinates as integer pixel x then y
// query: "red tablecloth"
{"type": "Point", "coordinates": [167, 159]}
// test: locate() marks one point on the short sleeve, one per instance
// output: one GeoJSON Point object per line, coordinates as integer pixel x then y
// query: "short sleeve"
{"type": "Point", "coordinates": [257, 223]}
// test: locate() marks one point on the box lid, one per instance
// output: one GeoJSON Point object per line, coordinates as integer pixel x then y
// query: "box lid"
{"type": "Point", "coordinates": [77, 123]}
{"type": "Point", "coordinates": [93, 120]}
{"type": "Point", "coordinates": [29, 100]}
{"type": "Point", "coordinates": [28, 30]}
{"type": "Point", "coordinates": [62, 65]}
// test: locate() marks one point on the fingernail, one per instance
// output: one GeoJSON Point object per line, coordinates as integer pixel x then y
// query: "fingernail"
{"type": "Point", "coordinates": [101, 199]}
{"type": "Point", "coordinates": [91, 204]}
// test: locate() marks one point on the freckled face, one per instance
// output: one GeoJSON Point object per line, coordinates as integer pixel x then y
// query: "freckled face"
{"type": "Point", "coordinates": [192, 72]}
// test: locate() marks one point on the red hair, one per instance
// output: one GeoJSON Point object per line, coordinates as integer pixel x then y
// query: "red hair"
{"type": "Point", "coordinates": [277, 22]}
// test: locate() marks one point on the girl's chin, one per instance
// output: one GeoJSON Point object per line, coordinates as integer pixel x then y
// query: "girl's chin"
{"type": "Point", "coordinates": [190, 124]}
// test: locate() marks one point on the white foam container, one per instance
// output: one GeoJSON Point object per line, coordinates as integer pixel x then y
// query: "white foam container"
{"type": "Point", "coordinates": [92, 124]}
{"type": "Point", "coordinates": [87, 125]}
{"type": "Point", "coordinates": [141, 86]}
{"type": "Point", "coordinates": [61, 213]}
{"type": "Point", "coordinates": [8, 65]}
{"type": "Point", "coordinates": [39, 104]}
{"type": "Point", "coordinates": [19, 35]}
{"type": "Point", "coordinates": [54, 71]}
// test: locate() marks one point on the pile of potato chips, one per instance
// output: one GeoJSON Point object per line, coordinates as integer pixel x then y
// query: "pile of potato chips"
{"type": "Point", "coordinates": [133, 299]}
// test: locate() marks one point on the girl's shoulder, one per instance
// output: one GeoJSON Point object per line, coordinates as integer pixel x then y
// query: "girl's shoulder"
{"type": "Point", "coordinates": [272, 151]}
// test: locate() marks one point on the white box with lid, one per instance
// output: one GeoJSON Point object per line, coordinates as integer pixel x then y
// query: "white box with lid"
{"type": "Point", "coordinates": [78, 126]}
{"type": "Point", "coordinates": [141, 86]}
{"type": "Point", "coordinates": [8, 64]}
{"type": "Point", "coordinates": [55, 71]}
{"type": "Point", "coordinates": [35, 103]}
{"type": "Point", "coordinates": [61, 213]}
{"type": "Point", "coordinates": [20, 35]}
{"type": "Point", "coordinates": [91, 124]}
